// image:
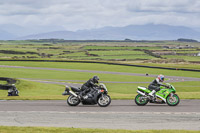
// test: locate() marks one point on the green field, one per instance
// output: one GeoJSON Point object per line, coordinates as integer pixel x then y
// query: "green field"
{"type": "Point", "coordinates": [186, 58]}
{"type": "Point", "coordinates": [121, 47]}
{"type": "Point", "coordinates": [117, 52]}
{"type": "Point", "coordinates": [106, 67]}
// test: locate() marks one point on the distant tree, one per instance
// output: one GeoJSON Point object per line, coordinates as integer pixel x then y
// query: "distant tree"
{"type": "Point", "coordinates": [127, 40]}
{"type": "Point", "coordinates": [186, 40]}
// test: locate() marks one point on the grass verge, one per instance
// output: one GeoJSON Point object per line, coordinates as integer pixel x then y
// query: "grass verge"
{"type": "Point", "coordinates": [42, 91]}
{"type": "Point", "coordinates": [35, 91]}
{"type": "Point", "coordinates": [10, 129]}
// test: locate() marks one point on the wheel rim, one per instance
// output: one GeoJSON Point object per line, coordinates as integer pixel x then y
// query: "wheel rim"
{"type": "Point", "coordinates": [73, 100]}
{"type": "Point", "coordinates": [172, 99]}
{"type": "Point", "coordinates": [104, 100]}
{"type": "Point", "coordinates": [140, 99]}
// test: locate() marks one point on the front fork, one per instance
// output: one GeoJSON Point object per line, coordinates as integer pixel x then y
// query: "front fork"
{"type": "Point", "coordinates": [172, 96]}
{"type": "Point", "coordinates": [102, 95]}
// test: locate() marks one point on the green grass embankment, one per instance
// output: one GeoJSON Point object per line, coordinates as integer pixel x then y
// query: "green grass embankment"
{"type": "Point", "coordinates": [42, 91]}
{"type": "Point", "coordinates": [112, 68]}
{"type": "Point", "coordinates": [34, 90]}
{"type": "Point", "coordinates": [7, 129]}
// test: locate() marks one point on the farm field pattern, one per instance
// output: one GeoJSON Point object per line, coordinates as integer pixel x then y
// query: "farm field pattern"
{"type": "Point", "coordinates": [167, 51]}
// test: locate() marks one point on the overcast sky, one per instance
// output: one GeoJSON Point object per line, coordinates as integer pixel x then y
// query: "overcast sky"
{"type": "Point", "coordinates": [87, 14]}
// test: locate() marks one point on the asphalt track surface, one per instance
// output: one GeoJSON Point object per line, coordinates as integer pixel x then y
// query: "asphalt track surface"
{"type": "Point", "coordinates": [121, 114]}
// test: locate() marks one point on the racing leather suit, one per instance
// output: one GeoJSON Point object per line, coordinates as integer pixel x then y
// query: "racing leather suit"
{"type": "Point", "coordinates": [155, 85]}
{"type": "Point", "coordinates": [86, 87]}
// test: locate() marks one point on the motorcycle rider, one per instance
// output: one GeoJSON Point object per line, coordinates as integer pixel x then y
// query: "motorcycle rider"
{"type": "Point", "coordinates": [88, 86]}
{"type": "Point", "coordinates": [155, 85]}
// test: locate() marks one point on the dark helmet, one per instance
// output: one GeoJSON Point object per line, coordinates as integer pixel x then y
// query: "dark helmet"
{"type": "Point", "coordinates": [95, 79]}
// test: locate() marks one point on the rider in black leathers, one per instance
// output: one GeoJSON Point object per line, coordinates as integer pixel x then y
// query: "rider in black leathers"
{"type": "Point", "coordinates": [88, 86]}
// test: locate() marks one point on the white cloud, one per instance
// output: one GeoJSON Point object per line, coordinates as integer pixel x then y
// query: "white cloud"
{"type": "Point", "coordinates": [86, 14]}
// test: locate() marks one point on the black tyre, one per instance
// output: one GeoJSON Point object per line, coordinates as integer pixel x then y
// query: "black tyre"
{"type": "Point", "coordinates": [104, 100]}
{"type": "Point", "coordinates": [140, 100]}
{"type": "Point", "coordinates": [73, 101]}
{"type": "Point", "coordinates": [173, 100]}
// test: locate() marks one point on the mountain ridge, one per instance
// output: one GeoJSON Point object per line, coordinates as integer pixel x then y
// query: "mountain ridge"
{"type": "Point", "coordinates": [134, 32]}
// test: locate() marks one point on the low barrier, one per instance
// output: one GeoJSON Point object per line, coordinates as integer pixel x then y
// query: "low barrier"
{"type": "Point", "coordinates": [9, 82]}
{"type": "Point", "coordinates": [110, 63]}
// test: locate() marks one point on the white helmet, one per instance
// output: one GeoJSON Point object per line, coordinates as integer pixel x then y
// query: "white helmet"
{"type": "Point", "coordinates": [161, 78]}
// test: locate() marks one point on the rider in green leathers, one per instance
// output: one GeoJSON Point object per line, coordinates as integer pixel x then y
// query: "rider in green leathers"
{"type": "Point", "coordinates": [155, 85]}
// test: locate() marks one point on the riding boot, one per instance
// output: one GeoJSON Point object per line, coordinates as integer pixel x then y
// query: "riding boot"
{"type": "Point", "coordinates": [152, 93]}
{"type": "Point", "coordinates": [81, 95]}
{"type": "Point", "coordinates": [66, 92]}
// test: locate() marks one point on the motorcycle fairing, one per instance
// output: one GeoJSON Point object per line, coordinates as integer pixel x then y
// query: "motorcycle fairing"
{"type": "Point", "coordinates": [74, 89]}
{"type": "Point", "coordinates": [162, 94]}
{"type": "Point", "coordinates": [143, 89]}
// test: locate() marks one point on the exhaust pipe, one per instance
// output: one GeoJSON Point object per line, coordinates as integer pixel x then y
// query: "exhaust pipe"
{"type": "Point", "coordinates": [74, 94]}
{"type": "Point", "coordinates": [141, 93]}
{"type": "Point", "coordinates": [69, 92]}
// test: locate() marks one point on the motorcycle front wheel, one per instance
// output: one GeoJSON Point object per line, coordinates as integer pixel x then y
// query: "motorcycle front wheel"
{"type": "Point", "coordinates": [140, 100]}
{"type": "Point", "coordinates": [73, 101]}
{"type": "Point", "coordinates": [173, 100]}
{"type": "Point", "coordinates": [104, 100]}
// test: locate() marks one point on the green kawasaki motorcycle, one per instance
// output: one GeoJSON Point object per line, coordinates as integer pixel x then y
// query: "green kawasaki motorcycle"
{"type": "Point", "coordinates": [165, 95]}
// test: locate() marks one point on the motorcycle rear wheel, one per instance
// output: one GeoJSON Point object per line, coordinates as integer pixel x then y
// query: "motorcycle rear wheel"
{"type": "Point", "coordinates": [139, 101]}
{"type": "Point", "coordinates": [73, 101]}
{"type": "Point", "coordinates": [104, 100]}
{"type": "Point", "coordinates": [173, 101]}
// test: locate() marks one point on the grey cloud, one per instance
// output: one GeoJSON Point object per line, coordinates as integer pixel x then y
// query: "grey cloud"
{"type": "Point", "coordinates": [17, 10]}
{"type": "Point", "coordinates": [181, 6]}
{"type": "Point", "coordinates": [86, 14]}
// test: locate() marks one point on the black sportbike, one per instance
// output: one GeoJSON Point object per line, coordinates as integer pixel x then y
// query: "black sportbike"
{"type": "Point", "coordinates": [98, 95]}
